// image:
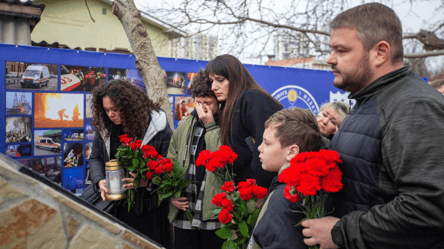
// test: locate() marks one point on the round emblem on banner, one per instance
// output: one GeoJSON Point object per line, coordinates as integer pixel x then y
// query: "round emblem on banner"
{"type": "Point", "coordinates": [292, 96]}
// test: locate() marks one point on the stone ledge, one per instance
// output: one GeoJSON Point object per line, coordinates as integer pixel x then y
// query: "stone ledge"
{"type": "Point", "coordinates": [22, 221]}
{"type": "Point", "coordinates": [136, 240]}
{"type": "Point", "coordinates": [90, 238]}
{"type": "Point", "coordinates": [71, 226]}
{"type": "Point", "coordinates": [84, 211]}
{"type": "Point", "coordinates": [50, 235]}
{"type": "Point", "coordinates": [8, 192]}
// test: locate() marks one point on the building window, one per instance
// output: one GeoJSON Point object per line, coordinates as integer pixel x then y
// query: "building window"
{"type": "Point", "coordinates": [104, 11]}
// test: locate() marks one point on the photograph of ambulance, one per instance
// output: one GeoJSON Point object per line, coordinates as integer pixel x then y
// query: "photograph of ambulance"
{"type": "Point", "coordinates": [25, 75]}
{"type": "Point", "coordinates": [35, 76]}
{"type": "Point", "coordinates": [47, 142]}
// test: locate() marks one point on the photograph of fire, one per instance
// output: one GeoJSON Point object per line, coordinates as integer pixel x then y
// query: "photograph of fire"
{"type": "Point", "coordinates": [58, 110]}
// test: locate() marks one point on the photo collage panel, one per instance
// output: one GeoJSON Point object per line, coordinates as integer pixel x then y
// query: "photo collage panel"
{"type": "Point", "coordinates": [48, 115]}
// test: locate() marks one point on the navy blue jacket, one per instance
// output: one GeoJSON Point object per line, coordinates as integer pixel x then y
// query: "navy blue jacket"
{"type": "Point", "coordinates": [393, 170]}
{"type": "Point", "coordinates": [277, 229]}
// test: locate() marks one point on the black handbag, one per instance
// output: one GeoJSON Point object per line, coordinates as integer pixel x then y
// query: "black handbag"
{"type": "Point", "coordinates": [93, 197]}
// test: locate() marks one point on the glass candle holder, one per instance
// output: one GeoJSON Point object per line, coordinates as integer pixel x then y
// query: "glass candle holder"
{"type": "Point", "coordinates": [114, 176]}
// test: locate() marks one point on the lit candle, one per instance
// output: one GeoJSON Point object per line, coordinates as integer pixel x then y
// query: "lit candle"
{"type": "Point", "coordinates": [114, 186]}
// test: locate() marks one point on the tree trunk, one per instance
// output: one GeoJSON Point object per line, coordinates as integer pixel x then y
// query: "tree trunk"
{"type": "Point", "coordinates": [146, 62]}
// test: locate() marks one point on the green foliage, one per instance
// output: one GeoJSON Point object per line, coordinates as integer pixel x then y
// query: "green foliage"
{"type": "Point", "coordinates": [229, 244]}
{"type": "Point", "coordinates": [243, 227]}
{"type": "Point", "coordinates": [171, 183]}
{"type": "Point", "coordinates": [252, 218]}
{"type": "Point", "coordinates": [237, 232]}
{"type": "Point", "coordinates": [224, 233]}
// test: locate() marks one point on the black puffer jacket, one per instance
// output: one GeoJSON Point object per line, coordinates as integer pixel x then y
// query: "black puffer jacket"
{"type": "Point", "coordinates": [391, 146]}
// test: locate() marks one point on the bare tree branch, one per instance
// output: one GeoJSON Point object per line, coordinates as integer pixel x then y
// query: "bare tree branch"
{"type": "Point", "coordinates": [424, 55]}
{"type": "Point", "coordinates": [249, 27]}
{"type": "Point", "coordinates": [86, 3]}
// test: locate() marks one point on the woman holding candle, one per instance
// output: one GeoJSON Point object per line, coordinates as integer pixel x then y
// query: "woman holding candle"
{"type": "Point", "coordinates": [245, 107]}
{"type": "Point", "coordinates": [119, 108]}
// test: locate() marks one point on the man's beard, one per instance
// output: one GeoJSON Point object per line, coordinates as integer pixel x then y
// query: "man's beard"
{"type": "Point", "coordinates": [358, 80]}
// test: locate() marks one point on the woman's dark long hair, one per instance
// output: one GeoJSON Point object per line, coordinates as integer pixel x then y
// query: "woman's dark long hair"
{"type": "Point", "coordinates": [240, 80]}
{"type": "Point", "coordinates": [134, 105]}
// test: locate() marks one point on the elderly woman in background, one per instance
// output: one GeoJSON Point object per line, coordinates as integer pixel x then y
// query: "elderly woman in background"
{"type": "Point", "coordinates": [331, 116]}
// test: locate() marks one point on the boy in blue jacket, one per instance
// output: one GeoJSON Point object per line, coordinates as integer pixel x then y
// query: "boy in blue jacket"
{"type": "Point", "coordinates": [287, 133]}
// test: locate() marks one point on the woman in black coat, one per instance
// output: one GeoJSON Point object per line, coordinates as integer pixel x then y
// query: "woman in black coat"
{"type": "Point", "coordinates": [245, 107]}
{"type": "Point", "coordinates": [121, 108]}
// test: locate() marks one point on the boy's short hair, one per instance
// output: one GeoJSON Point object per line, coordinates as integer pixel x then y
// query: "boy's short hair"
{"type": "Point", "coordinates": [201, 86]}
{"type": "Point", "coordinates": [296, 126]}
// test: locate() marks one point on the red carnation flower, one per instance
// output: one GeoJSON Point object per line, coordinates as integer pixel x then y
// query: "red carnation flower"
{"type": "Point", "coordinates": [332, 181]}
{"type": "Point", "coordinates": [291, 175]}
{"type": "Point", "coordinates": [308, 184]}
{"type": "Point", "coordinates": [136, 145]}
{"type": "Point", "coordinates": [331, 155]}
{"type": "Point", "coordinates": [299, 158]}
{"type": "Point", "coordinates": [246, 193]}
{"type": "Point", "coordinates": [243, 184]}
{"type": "Point", "coordinates": [228, 187]}
{"type": "Point", "coordinates": [149, 174]}
{"type": "Point", "coordinates": [218, 198]}
{"type": "Point", "coordinates": [146, 148]}
{"type": "Point", "coordinates": [228, 205]}
{"type": "Point", "coordinates": [225, 216]}
{"type": "Point", "coordinates": [125, 140]}
{"type": "Point", "coordinates": [260, 192]}
{"type": "Point", "coordinates": [203, 157]}
{"type": "Point", "coordinates": [229, 154]}
{"type": "Point", "coordinates": [251, 181]}
{"type": "Point", "coordinates": [158, 170]}
{"type": "Point", "coordinates": [149, 152]}
{"type": "Point", "coordinates": [165, 160]}
{"type": "Point", "coordinates": [152, 165]}
{"type": "Point", "coordinates": [317, 166]}
{"type": "Point", "coordinates": [121, 137]}
{"type": "Point", "coordinates": [291, 194]}
{"type": "Point", "coordinates": [167, 167]}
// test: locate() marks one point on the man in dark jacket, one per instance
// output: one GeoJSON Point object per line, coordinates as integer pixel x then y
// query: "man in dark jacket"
{"type": "Point", "coordinates": [390, 143]}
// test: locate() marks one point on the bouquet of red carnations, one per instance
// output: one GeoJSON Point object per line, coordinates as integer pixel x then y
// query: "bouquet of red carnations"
{"type": "Point", "coordinates": [146, 163]}
{"type": "Point", "coordinates": [168, 175]}
{"type": "Point", "coordinates": [309, 177]}
{"type": "Point", "coordinates": [239, 205]}
{"type": "Point", "coordinates": [219, 162]}
{"type": "Point", "coordinates": [134, 158]}
{"type": "Point", "coordinates": [238, 212]}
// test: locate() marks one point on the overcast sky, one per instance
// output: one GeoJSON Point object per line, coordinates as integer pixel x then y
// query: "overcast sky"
{"type": "Point", "coordinates": [414, 16]}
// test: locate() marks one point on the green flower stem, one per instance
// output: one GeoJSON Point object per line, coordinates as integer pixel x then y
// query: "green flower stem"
{"type": "Point", "coordinates": [314, 205]}
{"type": "Point", "coordinates": [190, 218]}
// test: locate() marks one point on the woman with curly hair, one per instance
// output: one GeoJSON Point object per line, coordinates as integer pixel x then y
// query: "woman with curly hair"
{"type": "Point", "coordinates": [119, 108]}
